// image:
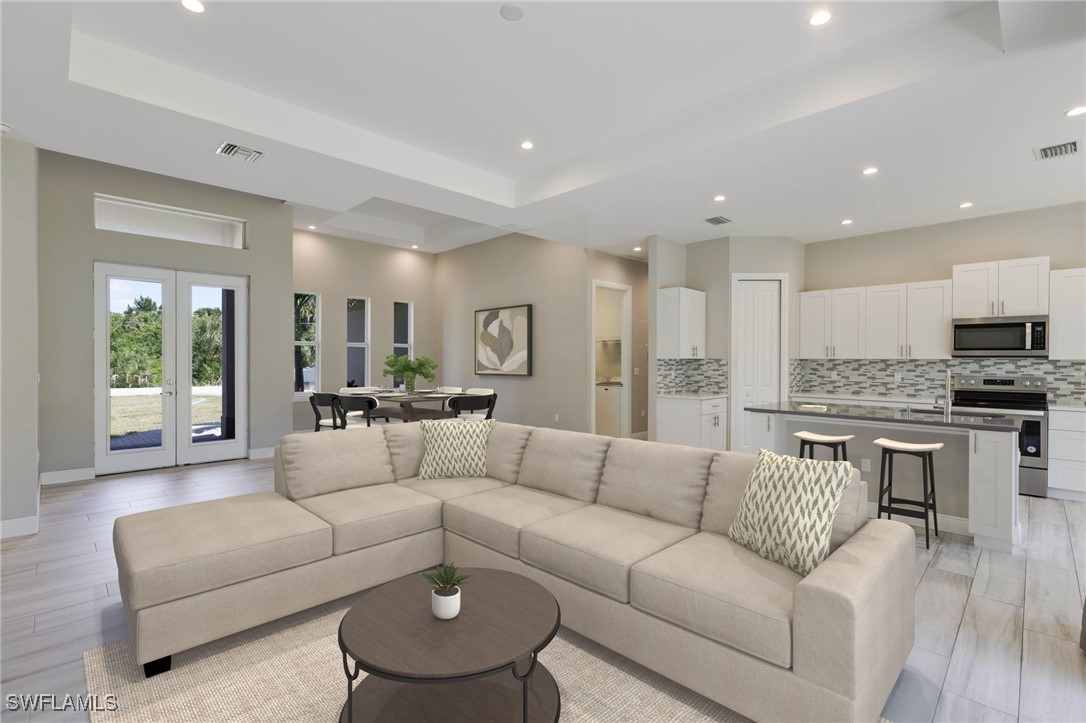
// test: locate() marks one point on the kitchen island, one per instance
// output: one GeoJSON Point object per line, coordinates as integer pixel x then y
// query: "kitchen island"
{"type": "Point", "coordinates": [981, 455]}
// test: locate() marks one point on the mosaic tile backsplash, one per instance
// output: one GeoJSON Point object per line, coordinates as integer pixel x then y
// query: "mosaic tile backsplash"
{"type": "Point", "coordinates": [924, 379]}
{"type": "Point", "coordinates": [692, 375]}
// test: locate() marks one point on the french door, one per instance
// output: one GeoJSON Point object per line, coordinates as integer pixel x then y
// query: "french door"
{"type": "Point", "coordinates": [170, 360]}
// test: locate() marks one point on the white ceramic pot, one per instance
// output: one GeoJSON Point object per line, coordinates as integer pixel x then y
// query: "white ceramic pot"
{"type": "Point", "coordinates": [445, 607]}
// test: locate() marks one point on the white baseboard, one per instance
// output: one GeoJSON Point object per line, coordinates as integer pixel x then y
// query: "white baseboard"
{"type": "Point", "coordinates": [66, 476]}
{"type": "Point", "coordinates": [947, 523]}
{"type": "Point", "coordinates": [1073, 495]}
{"type": "Point", "coordinates": [262, 453]}
{"type": "Point", "coordinates": [18, 527]}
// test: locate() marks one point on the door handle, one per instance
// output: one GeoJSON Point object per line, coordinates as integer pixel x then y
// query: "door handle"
{"type": "Point", "coordinates": [716, 420]}
{"type": "Point", "coordinates": [165, 394]}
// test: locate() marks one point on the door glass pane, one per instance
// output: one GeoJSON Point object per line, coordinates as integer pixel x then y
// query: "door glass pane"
{"type": "Point", "coordinates": [400, 323]}
{"type": "Point", "coordinates": [135, 364]}
{"type": "Point", "coordinates": [356, 321]}
{"type": "Point", "coordinates": [214, 396]}
{"type": "Point", "coordinates": [356, 366]}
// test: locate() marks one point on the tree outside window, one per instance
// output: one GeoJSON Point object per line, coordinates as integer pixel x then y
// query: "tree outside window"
{"type": "Point", "coordinates": [306, 343]}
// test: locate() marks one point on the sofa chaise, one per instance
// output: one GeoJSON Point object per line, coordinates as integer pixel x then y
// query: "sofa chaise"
{"type": "Point", "coordinates": [629, 536]}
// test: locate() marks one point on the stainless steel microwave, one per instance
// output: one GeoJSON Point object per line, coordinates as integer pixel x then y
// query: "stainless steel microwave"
{"type": "Point", "coordinates": [1001, 336]}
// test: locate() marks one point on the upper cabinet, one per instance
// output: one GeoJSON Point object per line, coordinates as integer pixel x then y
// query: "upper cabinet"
{"type": "Point", "coordinates": [680, 321]}
{"type": "Point", "coordinates": [929, 323]}
{"type": "Point", "coordinates": [1066, 325]}
{"type": "Point", "coordinates": [814, 325]}
{"type": "Point", "coordinates": [1016, 287]}
{"type": "Point", "coordinates": [885, 323]}
{"type": "Point", "coordinates": [831, 324]}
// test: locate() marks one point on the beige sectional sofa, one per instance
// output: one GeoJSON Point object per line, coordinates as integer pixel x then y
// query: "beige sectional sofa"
{"type": "Point", "coordinates": [630, 537]}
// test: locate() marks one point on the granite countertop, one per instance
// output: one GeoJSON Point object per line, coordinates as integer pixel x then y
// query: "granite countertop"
{"type": "Point", "coordinates": [693, 395]}
{"type": "Point", "coordinates": [918, 414]}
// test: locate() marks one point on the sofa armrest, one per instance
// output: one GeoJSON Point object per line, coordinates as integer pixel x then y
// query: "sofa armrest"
{"type": "Point", "coordinates": [280, 475]}
{"type": "Point", "coordinates": [849, 613]}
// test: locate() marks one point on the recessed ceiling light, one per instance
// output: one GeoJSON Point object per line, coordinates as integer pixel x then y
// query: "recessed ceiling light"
{"type": "Point", "coordinates": [312, 228]}
{"type": "Point", "coordinates": [966, 204]}
{"type": "Point", "coordinates": [637, 248]}
{"type": "Point", "coordinates": [820, 18]}
{"type": "Point", "coordinates": [1077, 110]}
{"type": "Point", "coordinates": [194, 5]}
{"type": "Point", "coordinates": [511, 12]}
{"type": "Point", "coordinates": [870, 171]}
{"type": "Point", "coordinates": [846, 222]}
{"type": "Point", "coordinates": [718, 199]}
{"type": "Point", "coordinates": [527, 145]}
{"type": "Point", "coordinates": [414, 246]}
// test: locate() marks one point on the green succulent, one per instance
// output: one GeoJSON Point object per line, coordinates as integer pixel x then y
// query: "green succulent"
{"type": "Point", "coordinates": [445, 579]}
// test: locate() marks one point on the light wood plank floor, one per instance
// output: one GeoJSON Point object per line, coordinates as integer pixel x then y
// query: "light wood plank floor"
{"type": "Point", "coordinates": [996, 633]}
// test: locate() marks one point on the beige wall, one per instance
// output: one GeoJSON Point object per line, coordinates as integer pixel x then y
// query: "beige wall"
{"type": "Point", "coordinates": [708, 269]}
{"type": "Point", "coordinates": [337, 268]}
{"type": "Point", "coordinates": [68, 247]}
{"type": "Point", "coordinates": [667, 268]}
{"type": "Point", "coordinates": [619, 270]}
{"type": "Point", "coordinates": [511, 270]}
{"type": "Point", "coordinates": [19, 333]}
{"type": "Point", "coordinates": [928, 252]}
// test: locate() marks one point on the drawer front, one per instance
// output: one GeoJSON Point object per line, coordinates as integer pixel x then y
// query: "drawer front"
{"type": "Point", "coordinates": [1067, 445]}
{"type": "Point", "coordinates": [1070, 421]}
{"type": "Point", "coordinates": [713, 406]}
{"type": "Point", "coordinates": [1066, 475]}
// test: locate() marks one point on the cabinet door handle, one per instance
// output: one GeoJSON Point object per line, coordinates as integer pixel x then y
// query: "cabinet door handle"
{"type": "Point", "coordinates": [827, 352]}
{"type": "Point", "coordinates": [993, 308]}
{"type": "Point", "coordinates": [1003, 308]}
{"type": "Point", "coordinates": [834, 351]}
{"type": "Point", "coordinates": [910, 354]}
{"type": "Point", "coordinates": [716, 420]}
{"type": "Point", "coordinates": [901, 350]}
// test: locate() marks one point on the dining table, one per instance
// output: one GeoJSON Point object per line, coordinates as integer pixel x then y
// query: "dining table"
{"type": "Point", "coordinates": [408, 400]}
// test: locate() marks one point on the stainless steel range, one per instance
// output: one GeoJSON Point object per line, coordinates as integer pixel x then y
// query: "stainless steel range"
{"type": "Point", "coordinates": [1023, 397]}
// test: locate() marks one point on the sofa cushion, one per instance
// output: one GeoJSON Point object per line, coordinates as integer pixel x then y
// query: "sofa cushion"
{"type": "Point", "coordinates": [316, 464]}
{"type": "Point", "coordinates": [505, 450]}
{"type": "Point", "coordinates": [716, 588]}
{"type": "Point", "coordinates": [495, 518]}
{"type": "Point", "coordinates": [662, 481]}
{"type": "Point", "coordinates": [177, 552]}
{"type": "Point", "coordinates": [405, 448]}
{"type": "Point", "coordinates": [728, 477]}
{"type": "Point", "coordinates": [368, 516]}
{"type": "Point", "coordinates": [595, 546]}
{"type": "Point", "coordinates": [448, 489]}
{"type": "Point", "coordinates": [788, 508]}
{"type": "Point", "coordinates": [565, 463]}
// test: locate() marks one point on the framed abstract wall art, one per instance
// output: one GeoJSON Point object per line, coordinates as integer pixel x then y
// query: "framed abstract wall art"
{"type": "Point", "coordinates": [503, 341]}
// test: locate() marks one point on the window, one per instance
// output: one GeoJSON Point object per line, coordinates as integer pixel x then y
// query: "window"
{"type": "Point", "coordinates": [181, 224]}
{"type": "Point", "coordinates": [306, 343]}
{"type": "Point", "coordinates": [402, 332]}
{"type": "Point", "coordinates": [358, 337]}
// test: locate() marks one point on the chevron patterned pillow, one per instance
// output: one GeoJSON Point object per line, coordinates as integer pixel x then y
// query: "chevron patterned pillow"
{"type": "Point", "coordinates": [454, 448]}
{"type": "Point", "coordinates": [787, 511]}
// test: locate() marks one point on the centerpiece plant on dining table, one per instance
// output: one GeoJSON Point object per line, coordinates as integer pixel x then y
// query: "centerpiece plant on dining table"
{"type": "Point", "coordinates": [406, 368]}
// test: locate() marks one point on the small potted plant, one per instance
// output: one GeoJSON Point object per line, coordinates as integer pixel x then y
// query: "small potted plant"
{"type": "Point", "coordinates": [406, 368]}
{"type": "Point", "coordinates": [445, 597]}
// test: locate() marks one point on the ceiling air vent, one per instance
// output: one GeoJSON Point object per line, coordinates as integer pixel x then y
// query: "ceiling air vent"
{"type": "Point", "coordinates": [1061, 150]}
{"type": "Point", "coordinates": [249, 155]}
{"type": "Point", "coordinates": [718, 220]}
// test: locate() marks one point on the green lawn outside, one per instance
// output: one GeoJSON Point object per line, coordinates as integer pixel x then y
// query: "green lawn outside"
{"type": "Point", "coordinates": [144, 413]}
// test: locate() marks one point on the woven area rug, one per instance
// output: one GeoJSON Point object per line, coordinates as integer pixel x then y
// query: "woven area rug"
{"type": "Point", "coordinates": [291, 670]}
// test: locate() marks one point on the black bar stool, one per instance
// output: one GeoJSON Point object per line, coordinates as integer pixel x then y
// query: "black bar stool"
{"type": "Point", "coordinates": [808, 440]}
{"type": "Point", "coordinates": [925, 452]}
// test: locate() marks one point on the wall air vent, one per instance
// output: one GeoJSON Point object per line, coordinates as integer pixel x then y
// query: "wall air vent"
{"type": "Point", "coordinates": [718, 220]}
{"type": "Point", "coordinates": [1061, 150]}
{"type": "Point", "coordinates": [249, 155]}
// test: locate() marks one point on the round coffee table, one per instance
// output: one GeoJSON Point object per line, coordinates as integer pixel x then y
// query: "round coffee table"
{"type": "Point", "coordinates": [424, 669]}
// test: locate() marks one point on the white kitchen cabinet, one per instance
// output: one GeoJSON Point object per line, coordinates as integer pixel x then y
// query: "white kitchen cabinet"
{"type": "Point", "coordinates": [1066, 451]}
{"type": "Point", "coordinates": [929, 325]}
{"type": "Point", "coordinates": [885, 321]}
{"type": "Point", "coordinates": [1014, 287]}
{"type": "Point", "coordinates": [847, 323]}
{"type": "Point", "coordinates": [692, 421]}
{"type": "Point", "coordinates": [1066, 321]}
{"type": "Point", "coordinates": [680, 322]}
{"type": "Point", "coordinates": [609, 410]}
{"type": "Point", "coordinates": [814, 325]}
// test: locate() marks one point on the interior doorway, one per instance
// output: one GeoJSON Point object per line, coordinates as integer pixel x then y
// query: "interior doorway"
{"type": "Point", "coordinates": [759, 357]}
{"type": "Point", "coordinates": [170, 358]}
{"type": "Point", "coordinates": [610, 356]}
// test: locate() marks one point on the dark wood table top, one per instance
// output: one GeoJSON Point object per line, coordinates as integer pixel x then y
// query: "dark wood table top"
{"type": "Point", "coordinates": [504, 617]}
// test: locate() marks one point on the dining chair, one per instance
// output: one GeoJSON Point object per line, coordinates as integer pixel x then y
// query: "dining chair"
{"type": "Point", "coordinates": [387, 410]}
{"type": "Point", "coordinates": [318, 400]}
{"type": "Point", "coordinates": [449, 390]}
{"type": "Point", "coordinates": [467, 406]}
{"type": "Point", "coordinates": [354, 407]}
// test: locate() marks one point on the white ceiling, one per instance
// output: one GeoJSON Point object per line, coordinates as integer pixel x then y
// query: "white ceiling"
{"type": "Point", "coordinates": [401, 122]}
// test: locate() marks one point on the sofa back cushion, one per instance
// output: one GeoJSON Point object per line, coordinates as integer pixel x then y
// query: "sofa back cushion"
{"type": "Point", "coordinates": [728, 478]}
{"type": "Point", "coordinates": [565, 463]}
{"type": "Point", "coordinates": [318, 463]}
{"type": "Point", "coordinates": [505, 450]}
{"type": "Point", "coordinates": [663, 481]}
{"type": "Point", "coordinates": [405, 447]}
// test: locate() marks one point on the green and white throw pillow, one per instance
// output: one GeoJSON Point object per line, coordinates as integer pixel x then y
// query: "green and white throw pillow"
{"type": "Point", "coordinates": [454, 448]}
{"type": "Point", "coordinates": [787, 511]}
